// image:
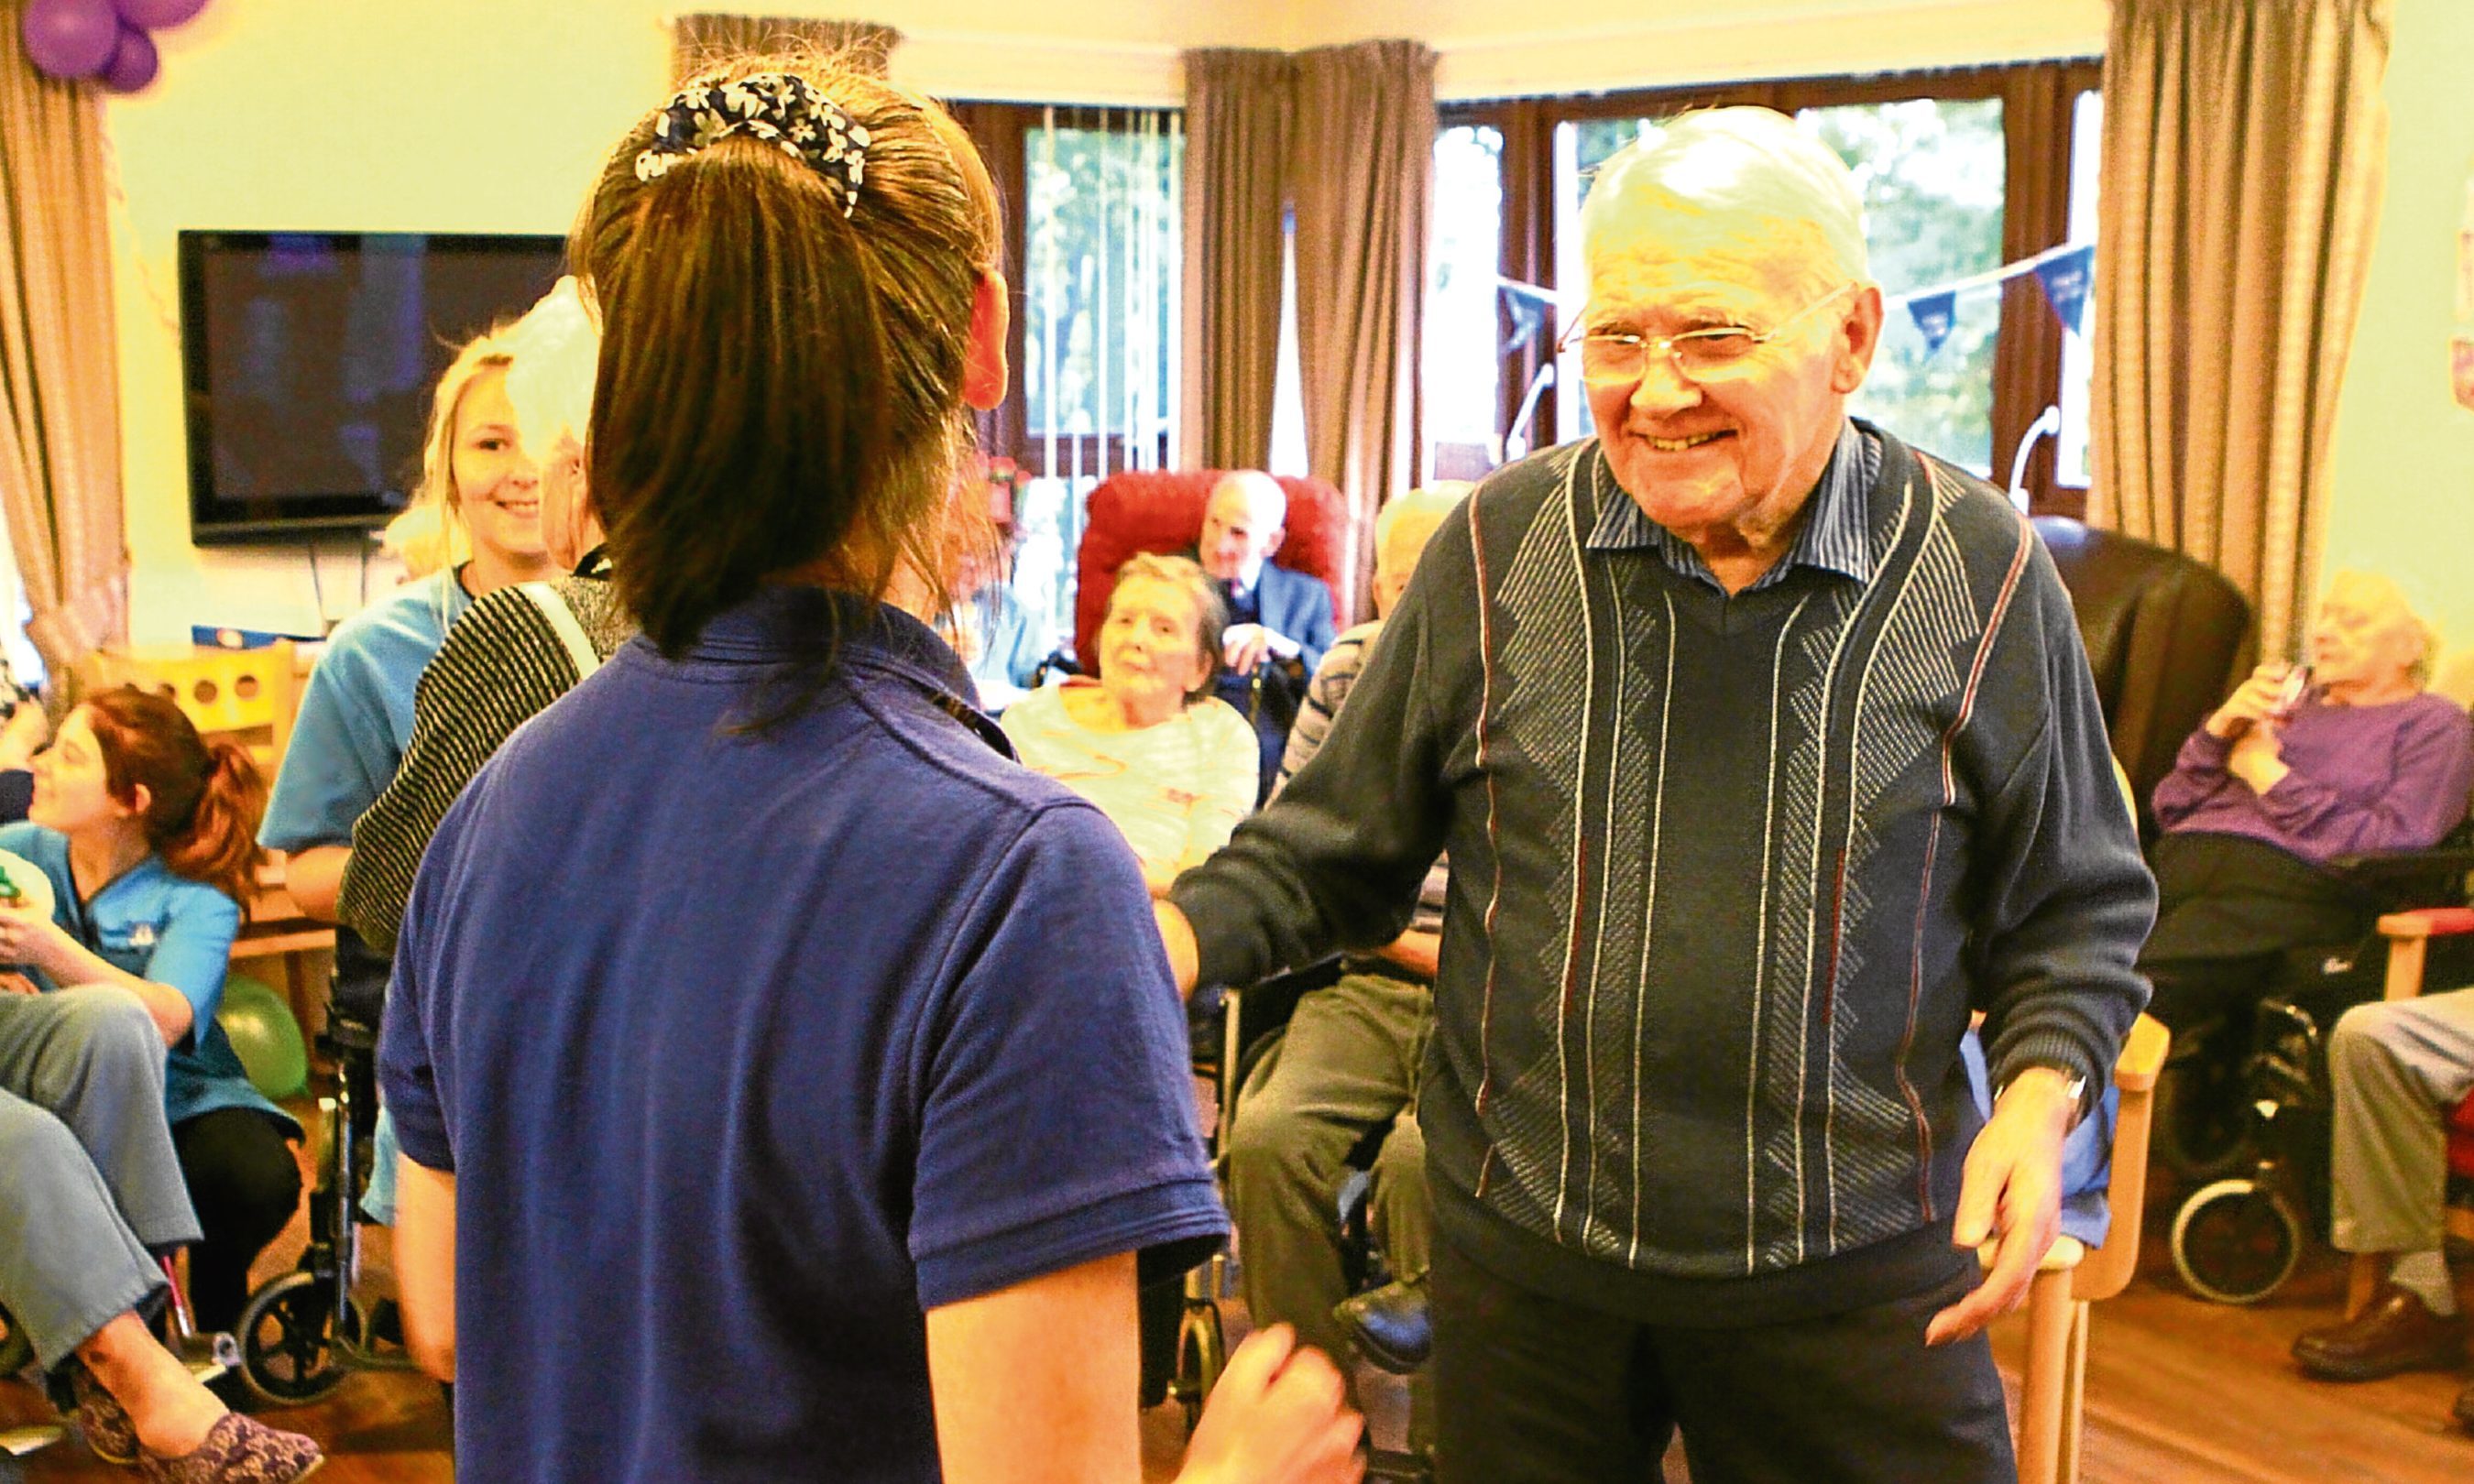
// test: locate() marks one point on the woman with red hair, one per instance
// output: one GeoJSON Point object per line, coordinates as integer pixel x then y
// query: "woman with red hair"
{"type": "Point", "coordinates": [145, 834]}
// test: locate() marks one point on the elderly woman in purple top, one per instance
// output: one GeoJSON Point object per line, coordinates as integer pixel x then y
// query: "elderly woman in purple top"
{"type": "Point", "coordinates": [2296, 769]}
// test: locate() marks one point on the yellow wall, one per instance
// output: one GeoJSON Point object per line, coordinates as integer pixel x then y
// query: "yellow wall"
{"type": "Point", "coordinates": [463, 115]}
{"type": "Point", "coordinates": [2404, 489]}
{"type": "Point", "coordinates": [488, 115]}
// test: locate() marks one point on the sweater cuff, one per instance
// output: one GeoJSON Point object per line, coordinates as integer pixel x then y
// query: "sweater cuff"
{"type": "Point", "coordinates": [2058, 1051]}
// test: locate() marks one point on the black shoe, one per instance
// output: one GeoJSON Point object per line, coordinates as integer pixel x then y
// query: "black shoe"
{"type": "Point", "coordinates": [1390, 1324]}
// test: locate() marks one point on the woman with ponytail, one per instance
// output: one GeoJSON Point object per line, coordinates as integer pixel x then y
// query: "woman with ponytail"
{"type": "Point", "coordinates": [146, 834]}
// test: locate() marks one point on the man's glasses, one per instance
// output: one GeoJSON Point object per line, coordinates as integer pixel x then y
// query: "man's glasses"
{"type": "Point", "coordinates": [1614, 358]}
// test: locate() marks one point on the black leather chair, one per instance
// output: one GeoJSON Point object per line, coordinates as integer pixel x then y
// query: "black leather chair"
{"type": "Point", "coordinates": [2166, 635]}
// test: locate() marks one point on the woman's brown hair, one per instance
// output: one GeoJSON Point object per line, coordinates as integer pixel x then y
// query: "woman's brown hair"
{"type": "Point", "coordinates": [779, 385]}
{"type": "Point", "coordinates": [204, 799]}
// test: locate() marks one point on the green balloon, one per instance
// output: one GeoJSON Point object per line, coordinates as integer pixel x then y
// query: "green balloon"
{"type": "Point", "coordinates": [265, 1036]}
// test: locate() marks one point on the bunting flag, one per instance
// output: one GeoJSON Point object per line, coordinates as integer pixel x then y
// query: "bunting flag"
{"type": "Point", "coordinates": [2066, 284]}
{"type": "Point", "coordinates": [1528, 315]}
{"type": "Point", "coordinates": [1934, 314]}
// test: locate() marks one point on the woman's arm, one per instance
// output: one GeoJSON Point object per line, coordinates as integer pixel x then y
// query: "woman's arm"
{"type": "Point", "coordinates": [424, 1264]}
{"type": "Point", "coordinates": [1029, 1385]}
{"type": "Point", "coordinates": [315, 878]}
{"type": "Point", "coordinates": [33, 939]}
{"type": "Point", "coordinates": [1227, 769]}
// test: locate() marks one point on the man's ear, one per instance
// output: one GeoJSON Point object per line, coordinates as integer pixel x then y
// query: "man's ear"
{"type": "Point", "coordinates": [1860, 339]}
{"type": "Point", "coordinates": [1272, 547]}
{"type": "Point", "coordinates": [986, 375]}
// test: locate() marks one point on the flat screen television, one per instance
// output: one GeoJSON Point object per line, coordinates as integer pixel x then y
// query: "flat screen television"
{"type": "Point", "coordinates": [309, 358]}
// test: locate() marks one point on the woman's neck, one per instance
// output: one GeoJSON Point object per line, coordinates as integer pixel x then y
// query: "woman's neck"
{"type": "Point", "coordinates": [1148, 708]}
{"type": "Point", "coordinates": [99, 858]}
{"type": "Point", "coordinates": [2375, 691]}
{"type": "Point", "coordinates": [491, 570]}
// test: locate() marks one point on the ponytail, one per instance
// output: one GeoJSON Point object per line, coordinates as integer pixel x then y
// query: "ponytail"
{"type": "Point", "coordinates": [204, 799]}
{"type": "Point", "coordinates": [220, 845]}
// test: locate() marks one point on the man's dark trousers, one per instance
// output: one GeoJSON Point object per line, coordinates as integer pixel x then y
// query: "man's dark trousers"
{"type": "Point", "coordinates": [1531, 1389]}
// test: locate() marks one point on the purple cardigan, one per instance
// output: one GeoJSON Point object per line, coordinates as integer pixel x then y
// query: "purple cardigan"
{"type": "Point", "coordinates": [2372, 778]}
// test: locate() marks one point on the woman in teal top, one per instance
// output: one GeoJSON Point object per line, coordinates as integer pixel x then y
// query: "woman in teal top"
{"type": "Point", "coordinates": [144, 834]}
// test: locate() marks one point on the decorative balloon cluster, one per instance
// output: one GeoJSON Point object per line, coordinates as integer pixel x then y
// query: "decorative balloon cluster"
{"type": "Point", "coordinates": [105, 39]}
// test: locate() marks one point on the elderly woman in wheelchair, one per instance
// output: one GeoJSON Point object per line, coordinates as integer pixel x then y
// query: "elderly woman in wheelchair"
{"type": "Point", "coordinates": [90, 1195]}
{"type": "Point", "coordinates": [2301, 766]}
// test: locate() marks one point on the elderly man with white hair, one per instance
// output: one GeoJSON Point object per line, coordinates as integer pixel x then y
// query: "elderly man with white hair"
{"type": "Point", "coordinates": [1279, 620]}
{"type": "Point", "coordinates": [1765, 751]}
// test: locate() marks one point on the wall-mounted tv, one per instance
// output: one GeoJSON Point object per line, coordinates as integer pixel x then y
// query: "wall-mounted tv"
{"type": "Point", "coordinates": [308, 361]}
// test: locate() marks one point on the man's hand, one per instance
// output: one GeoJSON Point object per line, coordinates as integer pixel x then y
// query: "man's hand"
{"type": "Point", "coordinates": [2253, 701]}
{"type": "Point", "coordinates": [1185, 955]}
{"type": "Point", "coordinates": [2013, 1190]}
{"type": "Point", "coordinates": [18, 984]}
{"type": "Point", "coordinates": [1279, 1415]}
{"type": "Point", "coordinates": [1244, 646]}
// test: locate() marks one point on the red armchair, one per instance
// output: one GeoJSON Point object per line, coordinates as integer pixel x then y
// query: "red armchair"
{"type": "Point", "coordinates": [1162, 511]}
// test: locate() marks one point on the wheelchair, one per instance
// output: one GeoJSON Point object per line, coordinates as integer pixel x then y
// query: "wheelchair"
{"type": "Point", "coordinates": [1250, 1023]}
{"type": "Point", "coordinates": [299, 1335]}
{"type": "Point", "coordinates": [2264, 1179]}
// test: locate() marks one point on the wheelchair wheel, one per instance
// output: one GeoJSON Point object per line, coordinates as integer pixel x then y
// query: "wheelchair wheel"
{"type": "Point", "coordinates": [2237, 1241]}
{"type": "Point", "coordinates": [289, 1339]}
{"type": "Point", "coordinates": [2203, 1124]}
{"type": "Point", "coordinates": [1201, 1355]}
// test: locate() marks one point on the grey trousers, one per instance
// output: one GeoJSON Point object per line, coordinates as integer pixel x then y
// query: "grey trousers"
{"type": "Point", "coordinates": [1348, 1065]}
{"type": "Point", "coordinates": [88, 1181]}
{"type": "Point", "coordinates": [2399, 1066]}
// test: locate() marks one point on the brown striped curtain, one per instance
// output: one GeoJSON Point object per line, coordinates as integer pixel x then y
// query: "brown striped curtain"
{"type": "Point", "coordinates": [698, 41]}
{"type": "Point", "coordinates": [60, 372]}
{"type": "Point", "coordinates": [1361, 174]}
{"type": "Point", "coordinates": [1237, 113]}
{"type": "Point", "coordinates": [2244, 155]}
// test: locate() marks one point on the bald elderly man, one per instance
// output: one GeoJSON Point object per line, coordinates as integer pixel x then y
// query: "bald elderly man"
{"type": "Point", "coordinates": [1765, 751]}
{"type": "Point", "coordinates": [1279, 620]}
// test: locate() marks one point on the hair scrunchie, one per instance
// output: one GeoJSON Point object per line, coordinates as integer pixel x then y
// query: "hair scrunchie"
{"type": "Point", "coordinates": [773, 105]}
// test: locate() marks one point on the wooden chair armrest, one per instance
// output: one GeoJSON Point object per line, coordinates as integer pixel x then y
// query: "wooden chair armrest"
{"type": "Point", "coordinates": [2143, 1055]}
{"type": "Point", "coordinates": [2428, 923]}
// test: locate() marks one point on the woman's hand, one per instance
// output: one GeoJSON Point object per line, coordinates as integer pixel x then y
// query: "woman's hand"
{"type": "Point", "coordinates": [18, 984]}
{"type": "Point", "coordinates": [2258, 757]}
{"type": "Point", "coordinates": [1279, 1415]}
{"type": "Point", "coordinates": [30, 939]}
{"type": "Point", "coordinates": [2252, 703]}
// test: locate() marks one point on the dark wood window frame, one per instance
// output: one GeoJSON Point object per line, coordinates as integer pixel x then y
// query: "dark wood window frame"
{"type": "Point", "coordinates": [2037, 102]}
{"type": "Point", "coordinates": [1003, 131]}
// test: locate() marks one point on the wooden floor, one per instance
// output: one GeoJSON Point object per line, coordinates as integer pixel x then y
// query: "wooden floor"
{"type": "Point", "coordinates": [2178, 1389]}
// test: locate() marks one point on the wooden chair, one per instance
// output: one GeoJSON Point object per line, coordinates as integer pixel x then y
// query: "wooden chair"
{"type": "Point", "coordinates": [2052, 1384]}
{"type": "Point", "coordinates": [247, 695]}
{"type": "Point", "coordinates": [2409, 934]}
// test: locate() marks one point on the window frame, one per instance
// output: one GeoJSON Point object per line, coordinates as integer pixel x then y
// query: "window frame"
{"type": "Point", "coordinates": [1002, 131]}
{"type": "Point", "coordinates": [2037, 99]}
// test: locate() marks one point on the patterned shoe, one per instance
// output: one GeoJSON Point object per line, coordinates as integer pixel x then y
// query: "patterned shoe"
{"type": "Point", "coordinates": [238, 1451]}
{"type": "Point", "coordinates": [101, 1417]}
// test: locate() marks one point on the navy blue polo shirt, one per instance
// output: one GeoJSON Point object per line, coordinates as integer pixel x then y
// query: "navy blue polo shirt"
{"type": "Point", "coordinates": [747, 1047]}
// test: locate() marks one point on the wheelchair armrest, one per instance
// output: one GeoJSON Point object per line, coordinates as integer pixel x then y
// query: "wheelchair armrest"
{"type": "Point", "coordinates": [2389, 867]}
{"type": "Point", "coordinates": [1265, 1007]}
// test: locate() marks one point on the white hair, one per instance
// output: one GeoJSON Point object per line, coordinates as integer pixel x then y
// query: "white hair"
{"type": "Point", "coordinates": [1431, 502]}
{"type": "Point", "coordinates": [1754, 164]}
{"type": "Point", "coordinates": [556, 349]}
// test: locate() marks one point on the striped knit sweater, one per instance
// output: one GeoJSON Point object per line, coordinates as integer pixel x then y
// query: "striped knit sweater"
{"type": "Point", "coordinates": [1729, 874]}
{"type": "Point", "coordinates": [501, 665]}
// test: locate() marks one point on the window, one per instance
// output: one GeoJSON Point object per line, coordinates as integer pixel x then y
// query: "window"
{"type": "Point", "coordinates": [1464, 335]}
{"type": "Point", "coordinates": [2078, 362]}
{"type": "Point", "coordinates": [1957, 177]}
{"type": "Point", "coordinates": [1093, 201]}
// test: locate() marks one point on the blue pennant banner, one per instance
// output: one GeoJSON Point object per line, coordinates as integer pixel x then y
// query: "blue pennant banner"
{"type": "Point", "coordinates": [1934, 313]}
{"type": "Point", "coordinates": [2066, 284]}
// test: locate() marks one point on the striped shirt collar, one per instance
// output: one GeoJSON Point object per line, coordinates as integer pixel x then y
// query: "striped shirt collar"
{"type": "Point", "coordinates": [1833, 538]}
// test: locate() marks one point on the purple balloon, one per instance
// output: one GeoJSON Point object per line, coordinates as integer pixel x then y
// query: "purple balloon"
{"type": "Point", "coordinates": [70, 39]}
{"type": "Point", "coordinates": [155, 15]}
{"type": "Point", "coordinates": [133, 65]}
